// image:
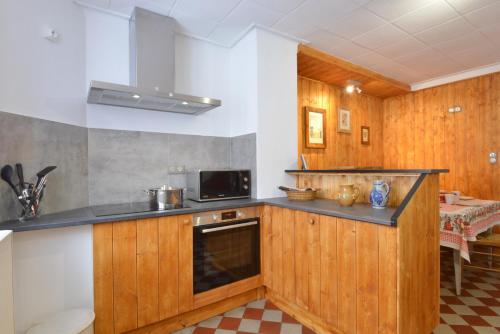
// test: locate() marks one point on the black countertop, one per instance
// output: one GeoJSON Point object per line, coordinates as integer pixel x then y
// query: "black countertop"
{"type": "Point", "coordinates": [367, 171]}
{"type": "Point", "coordinates": [85, 216]}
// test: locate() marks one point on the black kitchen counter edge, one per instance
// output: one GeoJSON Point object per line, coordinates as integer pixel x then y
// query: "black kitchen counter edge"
{"type": "Point", "coordinates": [85, 216]}
{"type": "Point", "coordinates": [367, 171]}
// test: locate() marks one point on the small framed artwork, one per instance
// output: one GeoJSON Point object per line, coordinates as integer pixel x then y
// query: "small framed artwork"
{"type": "Point", "coordinates": [344, 121]}
{"type": "Point", "coordinates": [365, 135]}
{"type": "Point", "coordinates": [315, 127]}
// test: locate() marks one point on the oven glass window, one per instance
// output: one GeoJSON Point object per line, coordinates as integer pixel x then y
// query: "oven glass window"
{"type": "Point", "coordinates": [225, 256]}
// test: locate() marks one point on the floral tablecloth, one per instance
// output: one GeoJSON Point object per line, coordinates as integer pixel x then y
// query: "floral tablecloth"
{"type": "Point", "coordinates": [460, 223]}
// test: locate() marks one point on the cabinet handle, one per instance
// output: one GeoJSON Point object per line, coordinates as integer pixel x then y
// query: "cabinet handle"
{"type": "Point", "coordinates": [311, 221]}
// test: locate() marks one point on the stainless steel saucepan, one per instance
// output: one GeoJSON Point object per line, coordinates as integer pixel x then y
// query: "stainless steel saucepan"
{"type": "Point", "coordinates": [164, 197]}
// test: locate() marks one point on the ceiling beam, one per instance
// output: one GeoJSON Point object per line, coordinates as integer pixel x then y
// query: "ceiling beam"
{"type": "Point", "coordinates": [335, 62]}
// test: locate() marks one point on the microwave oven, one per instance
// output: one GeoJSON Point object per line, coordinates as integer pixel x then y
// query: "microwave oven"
{"type": "Point", "coordinates": [213, 185]}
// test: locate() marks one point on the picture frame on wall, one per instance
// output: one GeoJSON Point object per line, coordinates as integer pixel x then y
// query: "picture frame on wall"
{"type": "Point", "coordinates": [315, 127]}
{"type": "Point", "coordinates": [365, 135]}
{"type": "Point", "coordinates": [344, 121]}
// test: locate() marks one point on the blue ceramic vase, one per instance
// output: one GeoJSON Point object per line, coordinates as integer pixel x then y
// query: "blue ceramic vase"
{"type": "Point", "coordinates": [379, 195]}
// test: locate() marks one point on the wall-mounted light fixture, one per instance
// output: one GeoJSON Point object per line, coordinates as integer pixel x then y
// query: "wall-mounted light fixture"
{"type": "Point", "coordinates": [353, 86]}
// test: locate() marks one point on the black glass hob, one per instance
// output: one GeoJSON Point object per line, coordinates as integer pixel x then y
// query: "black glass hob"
{"type": "Point", "coordinates": [127, 208]}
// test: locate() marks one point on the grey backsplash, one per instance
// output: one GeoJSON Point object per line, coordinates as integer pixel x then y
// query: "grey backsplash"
{"type": "Point", "coordinates": [99, 166]}
{"type": "Point", "coordinates": [39, 143]}
{"type": "Point", "coordinates": [123, 163]}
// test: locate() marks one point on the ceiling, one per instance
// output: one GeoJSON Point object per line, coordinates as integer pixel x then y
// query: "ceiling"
{"type": "Point", "coordinates": [408, 40]}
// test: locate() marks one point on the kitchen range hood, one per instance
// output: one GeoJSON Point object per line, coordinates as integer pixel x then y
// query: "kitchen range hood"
{"type": "Point", "coordinates": [152, 71]}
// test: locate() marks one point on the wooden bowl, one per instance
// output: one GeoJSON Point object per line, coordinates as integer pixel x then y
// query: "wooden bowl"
{"type": "Point", "coordinates": [301, 195]}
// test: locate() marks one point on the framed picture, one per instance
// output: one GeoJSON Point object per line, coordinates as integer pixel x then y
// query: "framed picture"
{"type": "Point", "coordinates": [344, 122]}
{"type": "Point", "coordinates": [315, 127]}
{"type": "Point", "coordinates": [365, 135]}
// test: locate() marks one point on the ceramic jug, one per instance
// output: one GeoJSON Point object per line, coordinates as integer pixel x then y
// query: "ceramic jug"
{"type": "Point", "coordinates": [348, 194]}
{"type": "Point", "coordinates": [379, 195]}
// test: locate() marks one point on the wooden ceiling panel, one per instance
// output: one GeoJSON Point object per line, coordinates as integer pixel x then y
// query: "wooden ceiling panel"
{"type": "Point", "coordinates": [317, 65]}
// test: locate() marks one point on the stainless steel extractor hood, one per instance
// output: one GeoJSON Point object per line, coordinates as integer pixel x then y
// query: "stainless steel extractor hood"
{"type": "Point", "coordinates": [152, 71]}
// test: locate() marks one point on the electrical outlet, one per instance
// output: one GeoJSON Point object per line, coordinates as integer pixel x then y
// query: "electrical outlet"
{"type": "Point", "coordinates": [177, 169]}
{"type": "Point", "coordinates": [457, 109]}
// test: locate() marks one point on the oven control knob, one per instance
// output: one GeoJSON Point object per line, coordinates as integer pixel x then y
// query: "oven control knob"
{"type": "Point", "coordinates": [245, 179]}
{"type": "Point", "coordinates": [245, 187]}
{"type": "Point", "coordinates": [214, 217]}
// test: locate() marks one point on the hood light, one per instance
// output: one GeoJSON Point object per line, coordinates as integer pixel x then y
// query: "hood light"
{"type": "Point", "coordinates": [185, 103]}
{"type": "Point", "coordinates": [136, 96]}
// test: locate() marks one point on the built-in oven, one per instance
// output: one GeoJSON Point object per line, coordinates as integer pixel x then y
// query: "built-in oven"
{"type": "Point", "coordinates": [226, 247]}
{"type": "Point", "coordinates": [213, 185]}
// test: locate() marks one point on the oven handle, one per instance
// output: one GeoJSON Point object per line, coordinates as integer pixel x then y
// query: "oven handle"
{"type": "Point", "coordinates": [228, 227]}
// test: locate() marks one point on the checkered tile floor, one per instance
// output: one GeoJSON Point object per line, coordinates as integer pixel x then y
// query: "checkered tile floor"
{"type": "Point", "coordinates": [256, 317]}
{"type": "Point", "coordinates": [477, 310]}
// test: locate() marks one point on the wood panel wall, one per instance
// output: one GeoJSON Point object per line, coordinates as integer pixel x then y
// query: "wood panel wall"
{"type": "Point", "coordinates": [419, 132]}
{"type": "Point", "coordinates": [328, 185]}
{"type": "Point", "coordinates": [341, 149]}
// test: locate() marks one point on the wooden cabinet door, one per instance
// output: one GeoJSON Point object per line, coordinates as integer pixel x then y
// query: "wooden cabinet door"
{"type": "Point", "coordinates": [307, 261]}
{"type": "Point", "coordinates": [143, 272]}
{"type": "Point", "coordinates": [185, 287]}
{"type": "Point", "coordinates": [278, 258]}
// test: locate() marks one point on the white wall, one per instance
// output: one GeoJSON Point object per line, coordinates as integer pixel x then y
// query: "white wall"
{"type": "Point", "coordinates": [244, 86]}
{"type": "Point", "coordinates": [52, 272]}
{"type": "Point", "coordinates": [6, 292]}
{"type": "Point", "coordinates": [37, 77]}
{"type": "Point", "coordinates": [202, 69]}
{"type": "Point", "coordinates": [277, 112]}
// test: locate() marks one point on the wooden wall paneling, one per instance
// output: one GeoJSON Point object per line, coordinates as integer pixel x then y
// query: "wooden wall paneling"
{"type": "Point", "coordinates": [482, 140]}
{"type": "Point", "coordinates": [147, 272]}
{"type": "Point", "coordinates": [103, 278]}
{"type": "Point", "coordinates": [168, 264]}
{"type": "Point", "coordinates": [346, 264]}
{"type": "Point", "coordinates": [329, 185]}
{"type": "Point", "coordinates": [448, 180]}
{"type": "Point", "coordinates": [387, 280]}
{"type": "Point", "coordinates": [367, 274]}
{"type": "Point", "coordinates": [491, 141]}
{"type": "Point", "coordinates": [461, 144]}
{"type": "Point", "coordinates": [277, 249]}
{"type": "Point", "coordinates": [419, 132]}
{"type": "Point", "coordinates": [185, 237]}
{"type": "Point", "coordinates": [418, 309]}
{"type": "Point", "coordinates": [124, 276]}
{"type": "Point", "coordinates": [457, 141]}
{"type": "Point", "coordinates": [288, 254]}
{"type": "Point", "coordinates": [328, 275]}
{"type": "Point", "coordinates": [267, 246]}
{"type": "Point", "coordinates": [342, 149]}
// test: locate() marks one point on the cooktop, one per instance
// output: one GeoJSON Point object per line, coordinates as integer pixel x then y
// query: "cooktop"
{"type": "Point", "coordinates": [136, 207]}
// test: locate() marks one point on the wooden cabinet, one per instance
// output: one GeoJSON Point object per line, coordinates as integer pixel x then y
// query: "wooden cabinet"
{"type": "Point", "coordinates": [142, 272]}
{"type": "Point", "coordinates": [331, 273]}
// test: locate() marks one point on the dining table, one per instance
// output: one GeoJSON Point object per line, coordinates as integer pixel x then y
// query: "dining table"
{"type": "Point", "coordinates": [460, 223]}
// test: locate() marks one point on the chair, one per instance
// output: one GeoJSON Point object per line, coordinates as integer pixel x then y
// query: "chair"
{"type": "Point", "coordinates": [487, 246]}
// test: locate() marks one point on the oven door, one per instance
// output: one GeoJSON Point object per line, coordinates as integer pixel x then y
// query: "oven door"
{"type": "Point", "coordinates": [225, 253]}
